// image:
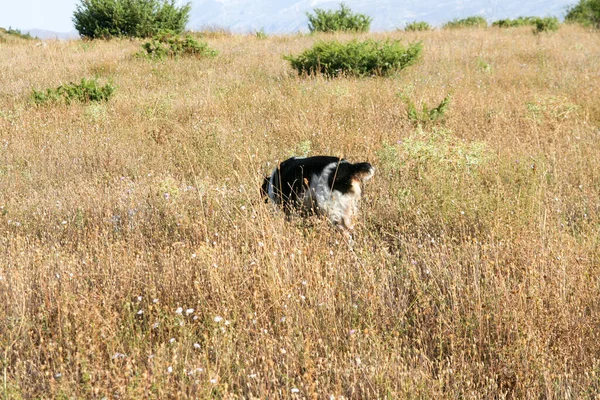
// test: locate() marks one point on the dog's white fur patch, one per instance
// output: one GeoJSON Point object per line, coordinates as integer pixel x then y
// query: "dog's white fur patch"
{"type": "Point", "coordinates": [339, 207]}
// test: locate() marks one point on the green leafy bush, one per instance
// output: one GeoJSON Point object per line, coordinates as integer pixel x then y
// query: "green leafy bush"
{"type": "Point", "coordinates": [586, 12]}
{"type": "Point", "coordinates": [87, 90]}
{"type": "Point", "coordinates": [341, 20]}
{"type": "Point", "coordinates": [105, 19]}
{"type": "Point", "coordinates": [513, 23]}
{"type": "Point", "coordinates": [548, 24]}
{"type": "Point", "coordinates": [169, 45]}
{"type": "Point", "coordinates": [417, 26]}
{"type": "Point", "coordinates": [469, 22]}
{"type": "Point", "coordinates": [369, 57]}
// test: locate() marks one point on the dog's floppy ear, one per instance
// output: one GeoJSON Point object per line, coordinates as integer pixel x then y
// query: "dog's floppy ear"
{"type": "Point", "coordinates": [362, 171]}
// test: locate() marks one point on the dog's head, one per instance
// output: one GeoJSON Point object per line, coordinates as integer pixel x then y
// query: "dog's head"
{"type": "Point", "coordinates": [348, 177]}
{"type": "Point", "coordinates": [345, 183]}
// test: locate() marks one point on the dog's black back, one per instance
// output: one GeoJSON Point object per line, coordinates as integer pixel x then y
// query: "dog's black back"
{"type": "Point", "coordinates": [292, 178]}
{"type": "Point", "coordinates": [292, 184]}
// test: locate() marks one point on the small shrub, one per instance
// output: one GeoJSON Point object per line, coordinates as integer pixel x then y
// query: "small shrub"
{"type": "Point", "coordinates": [105, 19]}
{"type": "Point", "coordinates": [469, 22]}
{"type": "Point", "coordinates": [586, 12]}
{"type": "Point", "coordinates": [484, 65]}
{"type": "Point", "coordinates": [426, 115]}
{"type": "Point", "coordinates": [341, 20]}
{"type": "Point", "coordinates": [548, 24]}
{"type": "Point", "coordinates": [169, 45]}
{"type": "Point", "coordinates": [514, 23]}
{"type": "Point", "coordinates": [369, 57]}
{"type": "Point", "coordinates": [261, 34]}
{"type": "Point", "coordinates": [417, 26]}
{"type": "Point", "coordinates": [87, 90]}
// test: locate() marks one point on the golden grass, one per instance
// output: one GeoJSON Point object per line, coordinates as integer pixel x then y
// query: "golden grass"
{"type": "Point", "coordinates": [475, 267]}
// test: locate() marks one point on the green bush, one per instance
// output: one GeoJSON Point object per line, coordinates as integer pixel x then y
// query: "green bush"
{"type": "Point", "coordinates": [469, 22]}
{"type": "Point", "coordinates": [341, 20]}
{"type": "Point", "coordinates": [169, 45]}
{"type": "Point", "coordinates": [106, 19]}
{"type": "Point", "coordinates": [586, 12]}
{"type": "Point", "coordinates": [548, 24]}
{"type": "Point", "coordinates": [369, 57]}
{"type": "Point", "coordinates": [513, 23]}
{"type": "Point", "coordinates": [87, 90]}
{"type": "Point", "coordinates": [417, 26]}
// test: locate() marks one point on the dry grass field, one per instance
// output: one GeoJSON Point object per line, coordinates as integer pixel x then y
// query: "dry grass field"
{"type": "Point", "coordinates": [137, 259]}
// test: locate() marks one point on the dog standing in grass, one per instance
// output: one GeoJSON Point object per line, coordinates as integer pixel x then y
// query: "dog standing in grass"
{"type": "Point", "coordinates": [320, 185]}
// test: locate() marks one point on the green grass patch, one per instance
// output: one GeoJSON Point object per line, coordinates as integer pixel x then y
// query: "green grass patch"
{"type": "Point", "coordinates": [449, 178]}
{"type": "Point", "coordinates": [85, 91]}
{"type": "Point", "coordinates": [358, 58]}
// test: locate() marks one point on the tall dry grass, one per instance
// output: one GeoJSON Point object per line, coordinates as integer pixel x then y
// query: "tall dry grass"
{"type": "Point", "coordinates": [137, 259]}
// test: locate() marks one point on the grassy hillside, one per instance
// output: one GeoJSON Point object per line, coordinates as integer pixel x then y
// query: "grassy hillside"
{"type": "Point", "coordinates": [138, 261]}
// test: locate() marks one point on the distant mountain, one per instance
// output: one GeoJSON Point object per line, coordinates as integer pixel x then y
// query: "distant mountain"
{"type": "Point", "coordinates": [44, 34]}
{"type": "Point", "coordinates": [289, 16]}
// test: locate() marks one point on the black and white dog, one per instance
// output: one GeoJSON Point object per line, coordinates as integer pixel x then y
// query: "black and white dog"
{"type": "Point", "coordinates": [322, 185]}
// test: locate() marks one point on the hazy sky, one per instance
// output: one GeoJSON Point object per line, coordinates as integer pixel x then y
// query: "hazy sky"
{"type": "Point", "coordinates": [56, 15]}
{"type": "Point", "coordinates": [53, 15]}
